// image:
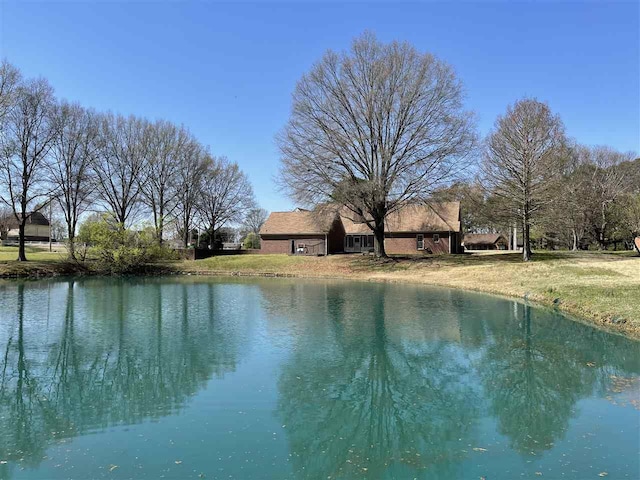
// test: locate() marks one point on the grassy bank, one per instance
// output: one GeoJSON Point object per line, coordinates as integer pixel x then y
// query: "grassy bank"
{"type": "Point", "coordinates": [603, 288]}
{"type": "Point", "coordinates": [41, 263]}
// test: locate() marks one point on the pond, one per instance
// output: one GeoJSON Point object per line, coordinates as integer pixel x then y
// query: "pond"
{"type": "Point", "coordinates": [219, 378]}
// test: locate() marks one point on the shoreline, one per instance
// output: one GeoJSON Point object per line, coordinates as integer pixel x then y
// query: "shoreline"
{"type": "Point", "coordinates": [623, 328]}
{"type": "Point", "coordinates": [467, 274]}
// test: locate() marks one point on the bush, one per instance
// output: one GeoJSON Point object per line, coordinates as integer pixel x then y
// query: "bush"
{"type": "Point", "coordinates": [117, 250]}
{"type": "Point", "coordinates": [252, 241]}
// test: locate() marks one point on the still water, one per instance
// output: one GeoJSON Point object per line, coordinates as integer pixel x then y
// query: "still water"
{"type": "Point", "coordinates": [289, 379]}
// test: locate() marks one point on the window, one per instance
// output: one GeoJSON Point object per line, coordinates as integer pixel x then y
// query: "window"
{"type": "Point", "coordinates": [349, 241]}
{"type": "Point", "coordinates": [370, 241]}
{"type": "Point", "coordinates": [420, 241]}
{"type": "Point", "coordinates": [436, 238]}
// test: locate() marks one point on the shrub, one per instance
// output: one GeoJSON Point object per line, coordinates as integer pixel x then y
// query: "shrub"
{"type": "Point", "coordinates": [252, 241]}
{"type": "Point", "coordinates": [117, 250]}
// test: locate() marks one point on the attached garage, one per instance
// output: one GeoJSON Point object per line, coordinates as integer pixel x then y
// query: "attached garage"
{"type": "Point", "coordinates": [301, 232]}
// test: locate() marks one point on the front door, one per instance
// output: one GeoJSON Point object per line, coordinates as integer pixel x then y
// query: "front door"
{"type": "Point", "coordinates": [356, 243]}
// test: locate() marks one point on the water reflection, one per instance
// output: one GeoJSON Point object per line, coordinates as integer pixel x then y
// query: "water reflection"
{"type": "Point", "coordinates": [401, 381]}
{"type": "Point", "coordinates": [376, 399]}
{"type": "Point", "coordinates": [366, 381]}
{"type": "Point", "coordinates": [139, 352]}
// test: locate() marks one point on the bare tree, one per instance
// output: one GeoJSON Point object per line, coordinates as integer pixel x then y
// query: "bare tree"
{"type": "Point", "coordinates": [254, 219]}
{"type": "Point", "coordinates": [166, 141]}
{"type": "Point", "coordinates": [374, 129]}
{"type": "Point", "coordinates": [226, 195]}
{"type": "Point", "coordinates": [606, 184]}
{"type": "Point", "coordinates": [565, 219]}
{"type": "Point", "coordinates": [572, 203]}
{"type": "Point", "coordinates": [6, 221]}
{"type": "Point", "coordinates": [119, 168]}
{"type": "Point", "coordinates": [631, 215]}
{"type": "Point", "coordinates": [9, 81]}
{"type": "Point", "coordinates": [194, 162]}
{"type": "Point", "coordinates": [26, 143]}
{"type": "Point", "coordinates": [75, 151]}
{"type": "Point", "coordinates": [523, 161]}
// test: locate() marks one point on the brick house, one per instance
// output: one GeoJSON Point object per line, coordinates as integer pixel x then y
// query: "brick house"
{"type": "Point", "coordinates": [413, 229]}
{"type": "Point", "coordinates": [302, 232]}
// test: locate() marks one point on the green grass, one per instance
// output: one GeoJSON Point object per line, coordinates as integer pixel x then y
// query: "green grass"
{"type": "Point", "coordinates": [252, 263]}
{"type": "Point", "coordinates": [41, 263]}
{"type": "Point", "coordinates": [8, 254]}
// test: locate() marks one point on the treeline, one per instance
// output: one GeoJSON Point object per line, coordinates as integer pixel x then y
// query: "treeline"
{"type": "Point", "coordinates": [383, 125]}
{"type": "Point", "coordinates": [129, 167]}
{"type": "Point", "coordinates": [544, 190]}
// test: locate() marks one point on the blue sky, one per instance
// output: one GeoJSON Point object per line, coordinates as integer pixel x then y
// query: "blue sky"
{"type": "Point", "coordinates": [227, 70]}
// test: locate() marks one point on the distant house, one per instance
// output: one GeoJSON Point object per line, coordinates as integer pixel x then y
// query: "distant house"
{"type": "Point", "coordinates": [433, 228]}
{"type": "Point", "coordinates": [36, 228]}
{"type": "Point", "coordinates": [485, 241]}
{"type": "Point", "coordinates": [413, 229]}
{"type": "Point", "coordinates": [302, 232]}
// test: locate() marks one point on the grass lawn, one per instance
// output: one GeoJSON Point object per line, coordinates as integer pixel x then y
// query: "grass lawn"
{"type": "Point", "coordinates": [601, 287]}
{"type": "Point", "coordinates": [41, 262]}
{"type": "Point", "coordinates": [8, 254]}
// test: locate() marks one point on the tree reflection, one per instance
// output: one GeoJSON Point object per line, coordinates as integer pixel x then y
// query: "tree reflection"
{"type": "Point", "coordinates": [391, 382]}
{"type": "Point", "coordinates": [534, 373]}
{"type": "Point", "coordinates": [116, 365]}
{"type": "Point", "coordinates": [373, 403]}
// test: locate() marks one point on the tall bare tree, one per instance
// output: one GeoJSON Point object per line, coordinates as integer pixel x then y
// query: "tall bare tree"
{"type": "Point", "coordinates": [9, 81]}
{"type": "Point", "coordinates": [27, 139]}
{"type": "Point", "coordinates": [374, 129]}
{"type": "Point", "coordinates": [74, 151]}
{"type": "Point", "coordinates": [166, 141]}
{"type": "Point", "coordinates": [226, 195]}
{"type": "Point", "coordinates": [523, 161]}
{"type": "Point", "coordinates": [606, 184]}
{"type": "Point", "coordinates": [120, 166]}
{"type": "Point", "coordinates": [194, 162]}
{"type": "Point", "coordinates": [254, 219]}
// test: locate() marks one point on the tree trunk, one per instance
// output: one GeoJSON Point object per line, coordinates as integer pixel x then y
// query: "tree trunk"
{"type": "Point", "coordinates": [575, 240]}
{"type": "Point", "coordinates": [72, 248]}
{"type": "Point", "coordinates": [185, 233]}
{"type": "Point", "coordinates": [378, 238]}
{"type": "Point", "coordinates": [160, 220]}
{"type": "Point", "coordinates": [601, 234]}
{"type": "Point", "coordinates": [526, 240]}
{"type": "Point", "coordinates": [378, 243]}
{"type": "Point", "coordinates": [22, 257]}
{"type": "Point", "coordinates": [72, 241]}
{"type": "Point", "coordinates": [160, 232]}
